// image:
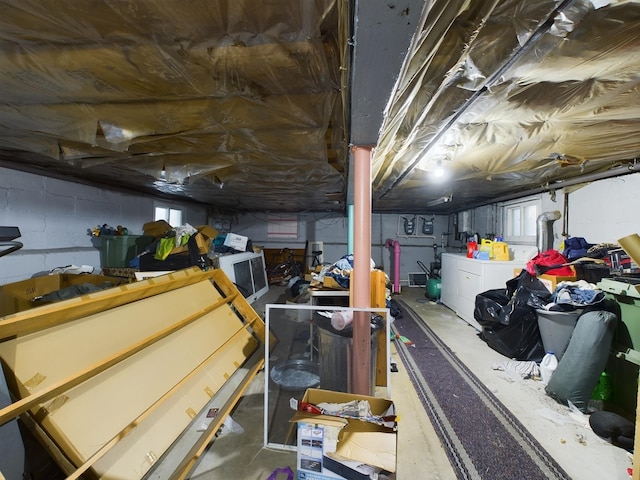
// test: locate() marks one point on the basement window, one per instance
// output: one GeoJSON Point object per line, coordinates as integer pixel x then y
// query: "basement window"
{"type": "Point", "coordinates": [520, 221]}
{"type": "Point", "coordinates": [173, 216]}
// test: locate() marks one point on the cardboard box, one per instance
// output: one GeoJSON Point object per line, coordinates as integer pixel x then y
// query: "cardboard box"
{"type": "Point", "coordinates": [551, 281]}
{"type": "Point", "coordinates": [345, 441]}
{"type": "Point", "coordinates": [156, 229]}
{"type": "Point", "coordinates": [330, 282]}
{"type": "Point", "coordinates": [18, 296]}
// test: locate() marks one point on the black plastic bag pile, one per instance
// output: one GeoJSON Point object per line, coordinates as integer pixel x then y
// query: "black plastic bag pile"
{"type": "Point", "coordinates": [509, 320]}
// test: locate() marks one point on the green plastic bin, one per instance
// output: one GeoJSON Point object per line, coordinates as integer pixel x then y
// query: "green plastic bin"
{"type": "Point", "coordinates": [623, 366]}
{"type": "Point", "coordinates": [116, 251]}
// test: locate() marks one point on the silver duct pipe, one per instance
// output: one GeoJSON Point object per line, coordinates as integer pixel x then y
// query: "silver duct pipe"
{"type": "Point", "coordinates": [544, 230]}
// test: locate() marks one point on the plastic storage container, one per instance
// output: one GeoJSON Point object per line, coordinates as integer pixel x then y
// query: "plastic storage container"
{"type": "Point", "coordinates": [486, 246]}
{"type": "Point", "coordinates": [472, 246]}
{"type": "Point", "coordinates": [117, 251]}
{"type": "Point", "coordinates": [501, 251]}
{"type": "Point", "coordinates": [548, 365]}
{"type": "Point", "coordinates": [626, 292]}
{"type": "Point", "coordinates": [556, 329]}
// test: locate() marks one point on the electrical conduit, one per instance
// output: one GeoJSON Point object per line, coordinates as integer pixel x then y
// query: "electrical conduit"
{"type": "Point", "coordinates": [396, 263]}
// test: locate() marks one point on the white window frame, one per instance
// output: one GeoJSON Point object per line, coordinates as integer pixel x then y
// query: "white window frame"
{"type": "Point", "coordinates": [520, 206]}
{"type": "Point", "coordinates": [172, 214]}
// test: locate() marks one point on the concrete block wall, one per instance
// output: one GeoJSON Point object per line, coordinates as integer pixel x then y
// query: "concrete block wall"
{"type": "Point", "coordinates": [54, 217]}
{"type": "Point", "coordinates": [331, 229]}
{"type": "Point", "coordinates": [607, 210]}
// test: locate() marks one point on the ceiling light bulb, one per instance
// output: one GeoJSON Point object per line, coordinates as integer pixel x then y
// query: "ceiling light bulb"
{"type": "Point", "coordinates": [439, 171]}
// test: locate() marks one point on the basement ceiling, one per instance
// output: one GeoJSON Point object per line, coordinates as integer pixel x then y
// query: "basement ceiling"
{"type": "Point", "coordinates": [253, 105]}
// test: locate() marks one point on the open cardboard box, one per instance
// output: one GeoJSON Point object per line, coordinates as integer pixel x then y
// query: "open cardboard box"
{"type": "Point", "coordinates": [156, 229]}
{"type": "Point", "coordinates": [343, 440]}
{"type": "Point", "coordinates": [330, 282]}
{"type": "Point", "coordinates": [552, 281]}
{"type": "Point", "coordinates": [204, 237]}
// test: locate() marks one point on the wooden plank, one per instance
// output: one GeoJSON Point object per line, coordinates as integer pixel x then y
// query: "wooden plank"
{"type": "Point", "coordinates": [194, 454]}
{"type": "Point", "coordinates": [137, 421]}
{"type": "Point", "coordinates": [47, 316]}
{"type": "Point", "coordinates": [62, 386]}
{"type": "Point", "coordinates": [379, 300]}
{"type": "Point", "coordinates": [240, 304]}
{"type": "Point", "coordinates": [174, 460]}
{"type": "Point", "coordinates": [122, 450]}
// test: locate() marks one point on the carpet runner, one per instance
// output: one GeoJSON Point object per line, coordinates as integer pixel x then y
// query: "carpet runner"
{"type": "Point", "coordinates": [483, 440]}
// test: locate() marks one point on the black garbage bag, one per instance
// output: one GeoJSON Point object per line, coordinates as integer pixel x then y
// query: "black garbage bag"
{"type": "Point", "coordinates": [614, 428]}
{"type": "Point", "coordinates": [72, 291]}
{"type": "Point", "coordinates": [520, 340]}
{"type": "Point", "coordinates": [394, 308]}
{"type": "Point", "coordinates": [509, 319]}
{"type": "Point", "coordinates": [528, 290]}
{"type": "Point", "coordinates": [489, 307]}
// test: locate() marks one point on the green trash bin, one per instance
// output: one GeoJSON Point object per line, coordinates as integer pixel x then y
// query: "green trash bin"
{"type": "Point", "coordinates": [116, 251]}
{"type": "Point", "coordinates": [623, 366]}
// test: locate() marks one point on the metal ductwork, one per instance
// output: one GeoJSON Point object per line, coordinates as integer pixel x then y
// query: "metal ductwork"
{"type": "Point", "coordinates": [544, 230]}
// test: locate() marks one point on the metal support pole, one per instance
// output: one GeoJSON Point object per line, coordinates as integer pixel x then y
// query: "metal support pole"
{"type": "Point", "coordinates": [361, 372]}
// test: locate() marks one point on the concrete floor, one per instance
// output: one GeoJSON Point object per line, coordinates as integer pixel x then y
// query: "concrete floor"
{"type": "Point", "coordinates": [566, 436]}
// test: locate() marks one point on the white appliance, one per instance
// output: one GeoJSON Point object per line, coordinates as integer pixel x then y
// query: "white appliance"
{"type": "Point", "coordinates": [248, 272]}
{"type": "Point", "coordinates": [463, 278]}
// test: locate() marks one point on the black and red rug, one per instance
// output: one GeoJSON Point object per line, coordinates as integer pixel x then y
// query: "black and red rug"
{"type": "Point", "coordinates": [483, 440]}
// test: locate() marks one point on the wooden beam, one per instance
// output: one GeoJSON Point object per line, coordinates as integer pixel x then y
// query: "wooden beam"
{"type": "Point", "coordinates": [226, 287]}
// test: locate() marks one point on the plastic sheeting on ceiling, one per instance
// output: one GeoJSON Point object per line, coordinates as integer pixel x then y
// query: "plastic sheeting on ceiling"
{"type": "Point", "coordinates": [244, 105]}
{"type": "Point", "coordinates": [510, 97]}
{"type": "Point", "coordinates": [236, 104]}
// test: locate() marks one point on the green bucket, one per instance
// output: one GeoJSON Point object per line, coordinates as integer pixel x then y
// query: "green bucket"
{"type": "Point", "coordinates": [433, 288]}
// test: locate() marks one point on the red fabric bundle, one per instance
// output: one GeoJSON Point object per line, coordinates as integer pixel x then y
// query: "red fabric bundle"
{"type": "Point", "coordinates": [547, 259]}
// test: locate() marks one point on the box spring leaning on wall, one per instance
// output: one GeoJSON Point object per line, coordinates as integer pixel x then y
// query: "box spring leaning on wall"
{"type": "Point", "coordinates": [111, 379]}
